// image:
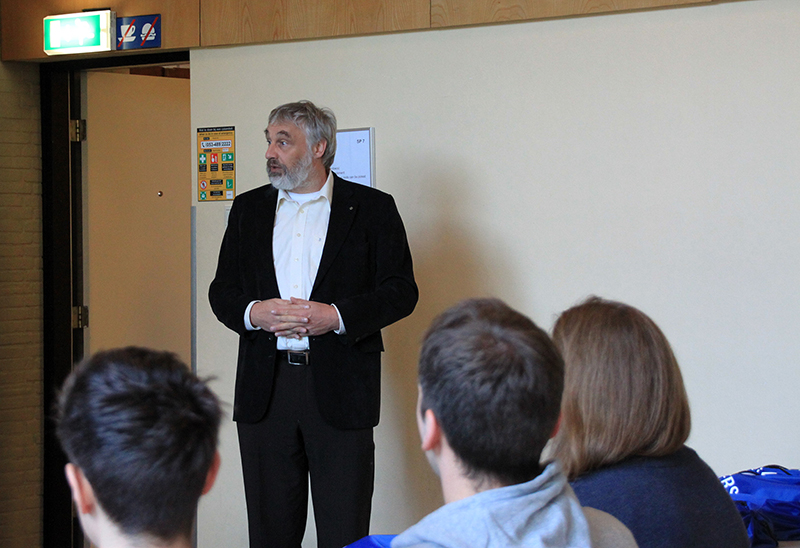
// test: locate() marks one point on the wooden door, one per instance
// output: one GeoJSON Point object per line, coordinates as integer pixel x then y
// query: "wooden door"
{"type": "Point", "coordinates": [137, 200]}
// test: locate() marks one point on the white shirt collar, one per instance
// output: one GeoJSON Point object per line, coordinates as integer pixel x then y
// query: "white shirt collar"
{"type": "Point", "coordinates": [325, 192]}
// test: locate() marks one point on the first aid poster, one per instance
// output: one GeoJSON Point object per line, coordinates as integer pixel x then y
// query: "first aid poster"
{"type": "Point", "coordinates": [216, 164]}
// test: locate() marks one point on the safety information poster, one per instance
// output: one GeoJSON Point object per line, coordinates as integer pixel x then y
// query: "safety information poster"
{"type": "Point", "coordinates": [216, 164]}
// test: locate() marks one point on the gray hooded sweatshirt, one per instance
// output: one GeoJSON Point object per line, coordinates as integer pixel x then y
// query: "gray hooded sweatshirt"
{"type": "Point", "coordinates": [541, 513]}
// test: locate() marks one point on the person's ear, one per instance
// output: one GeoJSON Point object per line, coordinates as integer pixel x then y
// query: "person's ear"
{"type": "Point", "coordinates": [319, 149]}
{"type": "Point", "coordinates": [430, 431]}
{"type": "Point", "coordinates": [82, 492]}
{"type": "Point", "coordinates": [557, 427]}
{"type": "Point", "coordinates": [211, 477]}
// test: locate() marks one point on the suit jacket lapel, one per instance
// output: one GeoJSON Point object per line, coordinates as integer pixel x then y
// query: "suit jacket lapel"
{"type": "Point", "coordinates": [343, 210]}
{"type": "Point", "coordinates": [264, 236]}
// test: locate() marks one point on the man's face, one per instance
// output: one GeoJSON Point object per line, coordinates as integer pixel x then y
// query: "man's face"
{"type": "Point", "coordinates": [289, 157]}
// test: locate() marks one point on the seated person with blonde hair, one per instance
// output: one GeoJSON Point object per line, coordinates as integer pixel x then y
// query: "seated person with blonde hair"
{"type": "Point", "coordinates": [490, 386]}
{"type": "Point", "coordinates": [624, 420]}
{"type": "Point", "coordinates": [140, 431]}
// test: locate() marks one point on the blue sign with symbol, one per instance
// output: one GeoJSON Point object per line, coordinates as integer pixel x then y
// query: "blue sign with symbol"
{"type": "Point", "coordinates": [141, 31]}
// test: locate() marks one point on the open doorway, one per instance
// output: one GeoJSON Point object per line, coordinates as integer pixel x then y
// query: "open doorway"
{"type": "Point", "coordinates": [68, 185]}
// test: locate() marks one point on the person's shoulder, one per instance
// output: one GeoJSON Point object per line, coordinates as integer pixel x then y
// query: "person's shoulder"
{"type": "Point", "coordinates": [691, 468]}
{"type": "Point", "coordinates": [258, 193]}
{"type": "Point", "coordinates": [608, 475]}
{"type": "Point", "coordinates": [606, 531]}
{"type": "Point", "coordinates": [611, 488]}
{"type": "Point", "coordinates": [688, 456]}
{"type": "Point", "coordinates": [631, 469]}
{"type": "Point", "coordinates": [253, 199]}
{"type": "Point", "coordinates": [358, 190]}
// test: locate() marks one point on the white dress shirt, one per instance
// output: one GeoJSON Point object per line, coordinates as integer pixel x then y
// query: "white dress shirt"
{"type": "Point", "coordinates": [298, 237]}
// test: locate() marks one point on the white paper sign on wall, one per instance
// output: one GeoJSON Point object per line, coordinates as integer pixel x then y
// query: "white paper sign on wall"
{"type": "Point", "coordinates": [355, 155]}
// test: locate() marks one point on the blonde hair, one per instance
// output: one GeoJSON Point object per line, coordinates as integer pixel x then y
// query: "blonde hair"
{"type": "Point", "coordinates": [623, 391]}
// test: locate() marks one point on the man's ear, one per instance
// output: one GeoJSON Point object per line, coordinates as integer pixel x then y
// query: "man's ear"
{"type": "Point", "coordinates": [211, 477]}
{"type": "Point", "coordinates": [82, 492]}
{"type": "Point", "coordinates": [319, 149]}
{"type": "Point", "coordinates": [430, 431]}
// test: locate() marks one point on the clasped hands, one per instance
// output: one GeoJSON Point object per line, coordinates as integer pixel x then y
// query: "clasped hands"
{"type": "Point", "coordinates": [295, 318]}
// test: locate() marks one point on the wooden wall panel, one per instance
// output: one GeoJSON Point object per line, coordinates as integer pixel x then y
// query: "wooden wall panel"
{"type": "Point", "coordinates": [22, 27]}
{"type": "Point", "coordinates": [226, 22]}
{"type": "Point", "coordinates": [193, 23]}
{"type": "Point", "coordinates": [452, 13]}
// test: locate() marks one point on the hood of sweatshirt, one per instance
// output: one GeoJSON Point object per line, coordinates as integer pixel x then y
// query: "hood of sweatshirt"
{"type": "Point", "coordinates": [543, 512]}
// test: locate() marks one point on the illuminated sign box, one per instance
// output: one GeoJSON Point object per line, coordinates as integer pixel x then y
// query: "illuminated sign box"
{"type": "Point", "coordinates": [79, 32]}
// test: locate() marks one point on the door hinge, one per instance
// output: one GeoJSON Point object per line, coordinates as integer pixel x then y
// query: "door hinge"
{"type": "Point", "coordinates": [80, 317]}
{"type": "Point", "coordinates": [77, 130]}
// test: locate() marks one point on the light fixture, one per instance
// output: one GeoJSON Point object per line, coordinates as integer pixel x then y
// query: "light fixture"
{"type": "Point", "coordinates": [85, 32]}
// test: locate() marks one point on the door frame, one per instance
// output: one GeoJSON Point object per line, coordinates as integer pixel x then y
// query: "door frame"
{"type": "Point", "coordinates": [62, 267]}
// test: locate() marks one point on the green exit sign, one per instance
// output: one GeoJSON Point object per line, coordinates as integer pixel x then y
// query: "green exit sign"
{"type": "Point", "coordinates": [79, 32]}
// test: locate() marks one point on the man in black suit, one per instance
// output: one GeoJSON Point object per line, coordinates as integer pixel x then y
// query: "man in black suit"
{"type": "Point", "coordinates": [311, 268]}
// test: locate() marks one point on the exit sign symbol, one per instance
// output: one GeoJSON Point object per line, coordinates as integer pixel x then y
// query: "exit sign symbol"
{"type": "Point", "coordinates": [79, 32]}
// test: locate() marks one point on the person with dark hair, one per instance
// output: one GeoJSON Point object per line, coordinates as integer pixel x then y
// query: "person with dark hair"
{"type": "Point", "coordinates": [490, 386]}
{"type": "Point", "coordinates": [311, 268]}
{"type": "Point", "coordinates": [140, 432]}
{"type": "Point", "coordinates": [624, 420]}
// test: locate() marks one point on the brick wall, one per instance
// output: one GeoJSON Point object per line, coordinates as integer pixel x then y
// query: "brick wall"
{"type": "Point", "coordinates": [20, 307]}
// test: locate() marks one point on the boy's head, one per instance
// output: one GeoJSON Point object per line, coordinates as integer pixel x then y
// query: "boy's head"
{"type": "Point", "coordinates": [141, 429]}
{"type": "Point", "coordinates": [493, 380]}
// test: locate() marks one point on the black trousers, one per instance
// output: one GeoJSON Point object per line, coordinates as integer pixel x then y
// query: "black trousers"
{"type": "Point", "coordinates": [283, 449]}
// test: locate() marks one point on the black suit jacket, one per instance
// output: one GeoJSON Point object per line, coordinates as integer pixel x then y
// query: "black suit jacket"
{"type": "Point", "coordinates": [365, 269]}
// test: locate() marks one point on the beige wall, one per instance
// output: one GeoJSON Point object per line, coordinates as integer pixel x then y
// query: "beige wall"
{"type": "Point", "coordinates": [20, 307]}
{"type": "Point", "coordinates": [648, 157]}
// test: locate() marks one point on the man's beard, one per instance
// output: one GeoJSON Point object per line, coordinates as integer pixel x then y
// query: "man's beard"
{"type": "Point", "coordinates": [292, 178]}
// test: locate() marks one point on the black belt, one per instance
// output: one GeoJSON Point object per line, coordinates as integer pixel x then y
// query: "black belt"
{"type": "Point", "coordinates": [295, 357]}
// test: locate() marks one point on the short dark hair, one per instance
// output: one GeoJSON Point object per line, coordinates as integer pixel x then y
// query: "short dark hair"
{"type": "Point", "coordinates": [143, 429]}
{"type": "Point", "coordinates": [318, 124]}
{"type": "Point", "coordinates": [494, 380]}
